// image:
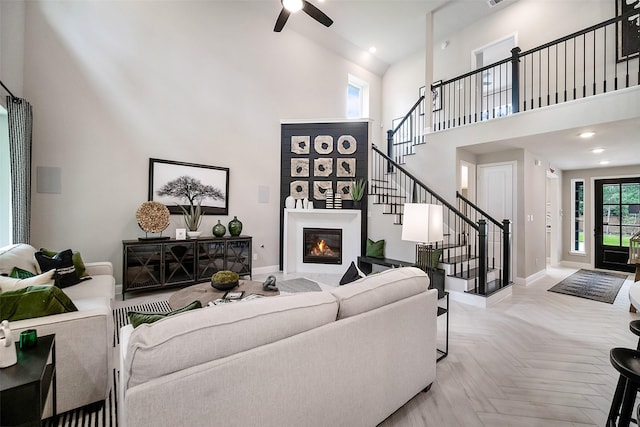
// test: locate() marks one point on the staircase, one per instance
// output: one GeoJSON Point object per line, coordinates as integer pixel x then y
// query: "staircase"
{"type": "Point", "coordinates": [475, 247]}
{"type": "Point", "coordinates": [472, 258]}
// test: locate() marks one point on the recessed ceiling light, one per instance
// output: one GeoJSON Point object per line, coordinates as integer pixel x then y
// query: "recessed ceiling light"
{"type": "Point", "coordinates": [597, 150]}
{"type": "Point", "coordinates": [587, 134]}
{"type": "Point", "coordinates": [372, 49]}
{"type": "Point", "coordinates": [604, 162]}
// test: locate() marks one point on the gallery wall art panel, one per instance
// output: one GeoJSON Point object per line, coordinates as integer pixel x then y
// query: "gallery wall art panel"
{"type": "Point", "coordinates": [323, 158]}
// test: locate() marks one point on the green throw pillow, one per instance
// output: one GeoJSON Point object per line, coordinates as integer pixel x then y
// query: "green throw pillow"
{"type": "Point", "coordinates": [137, 318]}
{"type": "Point", "coordinates": [435, 258]}
{"type": "Point", "coordinates": [34, 301]}
{"type": "Point", "coordinates": [19, 273]}
{"type": "Point", "coordinates": [81, 270]}
{"type": "Point", "coordinates": [375, 249]}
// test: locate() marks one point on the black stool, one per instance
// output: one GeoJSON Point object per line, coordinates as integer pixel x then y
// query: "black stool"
{"type": "Point", "coordinates": [627, 362]}
{"type": "Point", "coordinates": [634, 326]}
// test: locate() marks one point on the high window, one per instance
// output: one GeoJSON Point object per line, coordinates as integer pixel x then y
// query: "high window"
{"type": "Point", "coordinates": [577, 216]}
{"type": "Point", "coordinates": [357, 98]}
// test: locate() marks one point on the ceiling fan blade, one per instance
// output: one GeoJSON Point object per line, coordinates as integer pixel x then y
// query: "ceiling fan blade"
{"type": "Point", "coordinates": [282, 19]}
{"type": "Point", "coordinates": [316, 14]}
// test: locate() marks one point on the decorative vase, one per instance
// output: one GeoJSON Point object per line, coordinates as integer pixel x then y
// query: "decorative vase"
{"type": "Point", "coordinates": [8, 354]}
{"type": "Point", "coordinates": [289, 202]}
{"type": "Point", "coordinates": [305, 203]}
{"type": "Point", "coordinates": [298, 203]}
{"type": "Point", "coordinates": [337, 201]}
{"type": "Point", "coordinates": [235, 226]}
{"type": "Point", "coordinates": [194, 234]}
{"type": "Point", "coordinates": [218, 230]}
{"type": "Point", "coordinates": [329, 199]}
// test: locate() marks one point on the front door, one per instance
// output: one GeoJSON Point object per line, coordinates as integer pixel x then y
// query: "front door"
{"type": "Point", "coordinates": [617, 218]}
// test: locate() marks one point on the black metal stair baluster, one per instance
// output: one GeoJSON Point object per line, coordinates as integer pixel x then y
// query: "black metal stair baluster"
{"type": "Point", "coordinates": [594, 62]}
{"type": "Point", "coordinates": [604, 61]}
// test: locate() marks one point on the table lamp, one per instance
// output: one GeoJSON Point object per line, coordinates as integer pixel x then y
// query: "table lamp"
{"type": "Point", "coordinates": [422, 223]}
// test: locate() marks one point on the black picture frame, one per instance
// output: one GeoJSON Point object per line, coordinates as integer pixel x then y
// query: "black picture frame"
{"type": "Point", "coordinates": [627, 31]}
{"type": "Point", "coordinates": [163, 171]}
{"type": "Point", "coordinates": [436, 96]}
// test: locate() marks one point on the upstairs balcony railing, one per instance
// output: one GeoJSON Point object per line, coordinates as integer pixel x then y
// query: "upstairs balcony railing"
{"type": "Point", "coordinates": [407, 131]}
{"type": "Point", "coordinates": [586, 63]}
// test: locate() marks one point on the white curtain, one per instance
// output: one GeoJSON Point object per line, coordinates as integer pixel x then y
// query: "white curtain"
{"type": "Point", "coordinates": [20, 120]}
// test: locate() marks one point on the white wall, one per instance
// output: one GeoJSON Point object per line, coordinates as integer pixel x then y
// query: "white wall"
{"type": "Point", "coordinates": [534, 21]}
{"type": "Point", "coordinates": [400, 90]}
{"type": "Point", "coordinates": [115, 83]}
{"type": "Point", "coordinates": [12, 16]}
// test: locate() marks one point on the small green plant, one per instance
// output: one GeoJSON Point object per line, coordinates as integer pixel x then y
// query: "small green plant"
{"type": "Point", "coordinates": [357, 189]}
{"type": "Point", "coordinates": [225, 276]}
{"type": "Point", "coordinates": [192, 217]}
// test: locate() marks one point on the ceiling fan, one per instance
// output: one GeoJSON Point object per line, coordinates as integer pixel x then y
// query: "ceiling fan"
{"type": "Point", "coordinates": [292, 6]}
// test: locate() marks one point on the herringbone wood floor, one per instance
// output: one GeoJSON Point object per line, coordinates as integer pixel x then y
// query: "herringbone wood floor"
{"type": "Point", "coordinates": [535, 359]}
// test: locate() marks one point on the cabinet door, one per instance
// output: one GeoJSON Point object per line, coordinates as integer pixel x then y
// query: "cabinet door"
{"type": "Point", "coordinates": [143, 266]}
{"type": "Point", "coordinates": [179, 262]}
{"type": "Point", "coordinates": [210, 258]}
{"type": "Point", "coordinates": [239, 256]}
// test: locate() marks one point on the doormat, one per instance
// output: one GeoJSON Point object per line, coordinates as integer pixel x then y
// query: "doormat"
{"type": "Point", "coordinates": [594, 285]}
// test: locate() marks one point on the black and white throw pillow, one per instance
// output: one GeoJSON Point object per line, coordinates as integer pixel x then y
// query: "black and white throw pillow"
{"type": "Point", "coordinates": [62, 262]}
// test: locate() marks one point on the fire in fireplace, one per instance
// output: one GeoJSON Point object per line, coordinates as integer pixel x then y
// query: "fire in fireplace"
{"type": "Point", "coordinates": [322, 246]}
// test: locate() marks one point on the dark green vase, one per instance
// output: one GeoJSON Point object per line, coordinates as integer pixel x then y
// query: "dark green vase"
{"type": "Point", "coordinates": [218, 230]}
{"type": "Point", "coordinates": [235, 226]}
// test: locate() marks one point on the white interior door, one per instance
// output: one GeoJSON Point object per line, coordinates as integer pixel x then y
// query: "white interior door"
{"type": "Point", "coordinates": [496, 196]}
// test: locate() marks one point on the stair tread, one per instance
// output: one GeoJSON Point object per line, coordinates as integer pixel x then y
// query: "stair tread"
{"type": "Point", "coordinates": [491, 288]}
{"type": "Point", "coordinates": [469, 274]}
{"type": "Point", "coordinates": [457, 259]}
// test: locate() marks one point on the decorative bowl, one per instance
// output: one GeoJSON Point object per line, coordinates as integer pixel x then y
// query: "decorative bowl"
{"type": "Point", "coordinates": [224, 286]}
{"type": "Point", "coordinates": [194, 234]}
{"type": "Point", "coordinates": [225, 280]}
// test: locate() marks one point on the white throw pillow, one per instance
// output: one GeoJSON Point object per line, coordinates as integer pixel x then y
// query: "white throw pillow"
{"type": "Point", "coordinates": [11, 284]}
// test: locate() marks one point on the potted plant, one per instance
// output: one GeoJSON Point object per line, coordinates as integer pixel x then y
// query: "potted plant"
{"type": "Point", "coordinates": [192, 217]}
{"type": "Point", "coordinates": [357, 191]}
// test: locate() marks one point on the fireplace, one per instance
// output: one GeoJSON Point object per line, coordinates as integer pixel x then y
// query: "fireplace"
{"type": "Point", "coordinates": [322, 246]}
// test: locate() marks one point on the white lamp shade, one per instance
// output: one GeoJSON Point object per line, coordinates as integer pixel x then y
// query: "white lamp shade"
{"type": "Point", "coordinates": [422, 223]}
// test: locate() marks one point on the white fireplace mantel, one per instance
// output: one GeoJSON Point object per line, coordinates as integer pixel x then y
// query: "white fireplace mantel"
{"type": "Point", "coordinates": [295, 220]}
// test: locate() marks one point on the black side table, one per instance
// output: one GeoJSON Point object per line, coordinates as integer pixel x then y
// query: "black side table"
{"type": "Point", "coordinates": [444, 310]}
{"type": "Point", "coordinates": [24, 387]}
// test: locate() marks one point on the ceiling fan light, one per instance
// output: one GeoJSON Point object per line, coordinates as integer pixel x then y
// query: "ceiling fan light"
{"type": "Point", "coordinates": [292, 5]}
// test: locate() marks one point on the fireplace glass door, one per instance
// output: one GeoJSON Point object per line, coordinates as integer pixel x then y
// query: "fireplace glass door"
{"type": "Point", "coordinates": [322, 246]}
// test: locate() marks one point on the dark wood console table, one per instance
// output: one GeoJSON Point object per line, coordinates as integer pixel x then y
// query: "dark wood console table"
{"type": "Point", "coordinates": [154, 264]}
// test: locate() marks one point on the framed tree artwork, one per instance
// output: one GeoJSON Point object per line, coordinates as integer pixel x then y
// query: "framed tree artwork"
{"type": "Point", "coordinates": [176, 184]}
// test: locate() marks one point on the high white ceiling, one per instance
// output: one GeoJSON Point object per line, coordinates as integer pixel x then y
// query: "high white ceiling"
{"type": "Point", "coordinates": [397, 29]}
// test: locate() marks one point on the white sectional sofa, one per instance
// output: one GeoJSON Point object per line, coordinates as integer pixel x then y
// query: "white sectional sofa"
{"type": "Point", "coordinates": [347, 357]}
{"type": "Point", "coordinates": [84, 339]}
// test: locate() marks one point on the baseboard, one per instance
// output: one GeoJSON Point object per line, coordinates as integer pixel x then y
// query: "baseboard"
{"type": "Point", "coordinates": [526, 281]}
{"type": "Point", "coordinates": [573, 264]}
{"type": "Point", "coordinates": [265, 270]}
